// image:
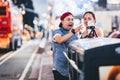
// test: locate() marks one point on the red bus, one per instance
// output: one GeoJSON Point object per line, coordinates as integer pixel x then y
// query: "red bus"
{"type": "Point", "coordinates": [11, 26]}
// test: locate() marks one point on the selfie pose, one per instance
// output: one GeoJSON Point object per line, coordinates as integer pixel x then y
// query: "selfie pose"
{"type": "Point", "coordinates": [91, 30]}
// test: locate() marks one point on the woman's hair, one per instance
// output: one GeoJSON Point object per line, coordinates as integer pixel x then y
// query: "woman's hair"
{"type": "Point", "coordinates": [113, 73]}
{"type": "Point", "coordinates": [90, 12]}
{"type": "Point", "coordinates": [60, 25]}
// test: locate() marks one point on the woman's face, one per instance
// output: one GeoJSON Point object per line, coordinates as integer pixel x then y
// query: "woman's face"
{"type": "Point", "coordinates": [117, 77]}
{"type": "Point", "coordinates": [88, 17]}
{"type": "Point", "coordinates": [68, 22]}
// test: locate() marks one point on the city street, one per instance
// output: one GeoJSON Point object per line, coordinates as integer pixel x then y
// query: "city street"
{"type": "Point", "coordinates": [30, 62]}
{"type": "Point", "coordinates": [84, 35]}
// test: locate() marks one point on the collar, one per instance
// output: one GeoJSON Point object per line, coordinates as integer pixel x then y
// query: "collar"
{"type": "Point", "coordinates": [63, 30]}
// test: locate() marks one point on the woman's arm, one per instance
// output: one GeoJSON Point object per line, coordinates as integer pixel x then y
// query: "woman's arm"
{"type": "Point", "coordinates": [60, 39]}
{"type": "Point", "coordinates": [99, 32]}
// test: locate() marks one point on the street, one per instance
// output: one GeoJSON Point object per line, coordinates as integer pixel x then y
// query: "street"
{"type": "Point", "coordinates": [30, 62]}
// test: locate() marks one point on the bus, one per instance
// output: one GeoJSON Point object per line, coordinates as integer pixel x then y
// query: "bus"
{"type": "Point", "coordinates": [11, 26]}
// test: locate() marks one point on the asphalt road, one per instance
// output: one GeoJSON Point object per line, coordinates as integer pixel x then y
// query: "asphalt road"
{"type": "Point", "coordinates": [30, 62]}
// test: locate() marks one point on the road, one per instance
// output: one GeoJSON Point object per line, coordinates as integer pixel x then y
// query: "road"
{"type": "Point", "coordinates": [30, 62]}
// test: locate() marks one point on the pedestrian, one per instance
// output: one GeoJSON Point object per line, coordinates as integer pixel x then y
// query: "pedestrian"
{"type": "Point", "coordinates": [61, 39]}
{"type": "Point", "coordinates": [114, 29]}
{"type": "Point", "coordinates": [91, 30]}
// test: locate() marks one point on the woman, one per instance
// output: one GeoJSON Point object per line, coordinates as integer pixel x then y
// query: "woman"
{"type": "Point", "coordinates": [114, 73]}
{"type": "Point", "coordinates": [61, 39]}
{"type": "Point", "coordinates": [89, 23]}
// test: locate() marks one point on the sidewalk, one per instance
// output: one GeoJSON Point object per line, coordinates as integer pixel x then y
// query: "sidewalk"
{"type": "Point", "coordinates": [45, 72]}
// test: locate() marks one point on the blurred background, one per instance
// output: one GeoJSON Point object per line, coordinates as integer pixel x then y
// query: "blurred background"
{"type": "Point", "coordinates": [38, 18]}
{"type": "Point", "coordinates": [47, 12]}
{"type": "Point", "coordinates": [26, 33]}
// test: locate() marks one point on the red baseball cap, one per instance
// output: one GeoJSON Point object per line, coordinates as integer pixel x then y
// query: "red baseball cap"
{"type": "Point", "coordinates": [65, 15]}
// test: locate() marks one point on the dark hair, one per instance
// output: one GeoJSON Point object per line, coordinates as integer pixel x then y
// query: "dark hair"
{"type": "Point", "coordinates": [114, 28]}
{"type": "Point", "coordinates": [90, 12]}
{"type": "Point", "coordinates": [60, 25]}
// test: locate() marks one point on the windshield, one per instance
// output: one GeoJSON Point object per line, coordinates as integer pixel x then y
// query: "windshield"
{"type": "Point", "coordinates": [2, 11]}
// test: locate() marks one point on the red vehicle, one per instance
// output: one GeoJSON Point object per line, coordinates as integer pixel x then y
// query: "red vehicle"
{"type": "Point", "coordinates": [11, 26]}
